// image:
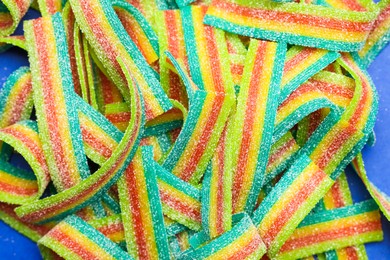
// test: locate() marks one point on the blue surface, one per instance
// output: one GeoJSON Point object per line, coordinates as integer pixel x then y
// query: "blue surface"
{"type": "Point", "coordinates": [16, 246]}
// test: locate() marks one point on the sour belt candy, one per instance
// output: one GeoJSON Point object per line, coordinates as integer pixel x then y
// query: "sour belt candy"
{"type": "Point", "coordinates": [191, 129]}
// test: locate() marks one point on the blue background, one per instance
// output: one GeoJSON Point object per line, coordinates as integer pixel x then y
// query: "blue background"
{"type": "Point", "coordinates": [15, 246]}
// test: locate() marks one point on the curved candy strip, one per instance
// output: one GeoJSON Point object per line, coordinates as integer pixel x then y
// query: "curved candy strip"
{"type": "Point", "coordinates": [13, 40]}
{"type": "Point", "coordinates": [381, 198]}
{"type": "Point", "coordinates": [74, 238]}
{"type": "Point", "coordinates": [300, 65]}
{"type": "Point", "coordinates": [16, 102]}
{"type": "Point", "coordinates": [138, 29]}
{"type": "Point", "coordinates": [378, 38]}
{"type": "Point", "coordinates": [300, 24]}
{"type": "Point", "coordinates": [241, 242]}
{"type": "Point", "coordinates": [289, 202]}
{"type": "Point", "coordinates": [11, 13]}
{"type": "Point", "coordinates": [303, 101]}
{"type": "Point", "coordinates": [339, 89]}
{"type": "Point", "coordinates": [92, 188]}
{"type": "Point", "coordinates": [180, 200]}
{"type": "Point", "coordinates": [207, 52]}
{"type": "Point", "coordinates": [253, 122]}
{"type": "Point", "coordinates": [16, 185]}
{"type": "Point", "coordinates": [141, 208]}
{"type": "Point", "coordinates": [332, 229]}
{"type": "Point", "coordinates": [351, 132]}
{"type": "Point", "coordinates": [105, 33]}
{"type": "Point", "coordinates": [58, 123]}
{"type": "Point", "coordinates": [32, 231]}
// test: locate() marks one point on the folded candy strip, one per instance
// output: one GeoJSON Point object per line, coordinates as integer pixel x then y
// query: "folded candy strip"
{"type": "Point", "coordinates": [11, 13]}
{"type": "Point", "coordinates": [16, 102]}
{"type": "Point", "coordinates": [109, 39]}
{"type": "Point", "coordinates": [91, 188]}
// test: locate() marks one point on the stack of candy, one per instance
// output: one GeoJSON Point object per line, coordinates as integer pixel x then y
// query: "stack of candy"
{"type": "Point", "coordinates": [182, 129]}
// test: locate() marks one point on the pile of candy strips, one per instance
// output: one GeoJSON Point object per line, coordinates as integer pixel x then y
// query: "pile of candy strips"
{"type": "Point", "coordinates": [163, 129]}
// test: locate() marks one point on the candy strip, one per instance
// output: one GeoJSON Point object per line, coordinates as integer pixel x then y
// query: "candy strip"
{"type": "Point", "coordinates": [333, 229]}
{"type": "Point", "coordinates": [148, 8]}
{"type": "Point", "coordinates": [282, 153]}
{"type": "Point", "coordinates": [237, 52]}
{"type": "Point", "coordinates": [302, 63]}
{"type": "Point", "coordinates": [111, 227]}
{"type": "Point", "coordinates": [18, 186]}
{"type": "Point", "coordinates": [173, 228]}
{"type": "Point", "coordinates": [171, 39]}
{"type": "Point", "coordinates": [91, 188]}
{"type": "Point", "coordinates": [381, 198]}
{"type": "Point", "coordinates": [32, 231]}
{"type": "Point", "coordinates": [85, 68]}
{"type": "Point", "coordinates": [289, 202]}
{"type": "Point", "coordinates": [11, 12]}
{"type": "Point", "coordinates": [352, 130]}
{"type": "Point", "coordinates": [13, 40]}
{"type": "Point", "coordinates": [138, 29]}
{"type": "Point", "coordinates": [305, 100]}
{"type": "Point", "coordinates": [307, 25]}
{"type": "Point", "coordinates": [179, 243]}
{"type": "Point", "coordinates": [217, 192]}
{"type": "Point", "coordinates": [171, 120]}
{"type": "Point", "coordinates": [73, 238]}
{"type": "Point", "coordinates": [109, 39]}
{"type": "Point", "coordinates": [69, 25]}
{"type": "Point", "coordinates": [340, 196]}
{"type": "Point", "coordinates": [182, 3]}
{"type": "Point", "coordinates": [50, 7]}
{"type": "Point", "coordinates": [207, 52]}
{"type": "Point", "coordinates": [241, 242]}
{"type": "Point", "coordinates": [100, 137]}
{"type": "Point", "coordinates": [180, 200]}
{"type": "Point", "coordinates": [256, 111]}
{"type": "Point", "coordinates": [337, 88]}
{"type": "Point", "coordinates": [378, 37]}
{"type": "Point", "coordinates": [191, 152]}
{"type": "Point", "coordinates": [53, 89]}
{"type": "Point", "coordinates": [107, 91]}
{"type": "Point", "coordinates": [353, 5]}
{"type": "Point", "coordinates": [118, 114]}
{"type": "Point", "coordinates": [141, 208]}
{"type": "Point", "coordinates": [15, 102]}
